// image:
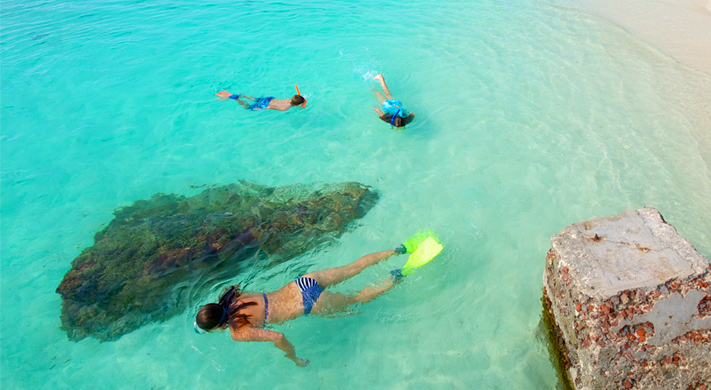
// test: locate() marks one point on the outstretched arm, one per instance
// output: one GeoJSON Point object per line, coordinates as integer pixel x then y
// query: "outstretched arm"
{"type": "Point", "coordinates": [279, 340]}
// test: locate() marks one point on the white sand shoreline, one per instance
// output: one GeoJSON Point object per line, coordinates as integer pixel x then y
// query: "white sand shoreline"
{"type": "Point", "coordinates": [679, 28]}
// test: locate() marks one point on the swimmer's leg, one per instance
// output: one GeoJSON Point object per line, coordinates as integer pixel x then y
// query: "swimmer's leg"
{"type": "Point", "coordinates": [385, 87]}
{"type": "Point", "coordinates": [331, 303]}
{"type": "Point", "coordinates": [331, 276]}
{"type": "Point", "coordinates": [223, 95]}
{"type": "Point", "coordinates": [381, 98]}
{"type": "Point", "coordinates": [243, 104]}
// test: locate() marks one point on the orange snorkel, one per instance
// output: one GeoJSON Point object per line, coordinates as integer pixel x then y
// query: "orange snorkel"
{"type": "Point", "coordinates": [299, 93]}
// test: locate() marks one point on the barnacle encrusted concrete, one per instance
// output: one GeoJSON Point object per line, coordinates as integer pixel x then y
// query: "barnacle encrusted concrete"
{"type": "Point", "coordinates": [630, 304]}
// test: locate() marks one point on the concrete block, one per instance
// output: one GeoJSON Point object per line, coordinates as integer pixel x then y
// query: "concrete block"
{"type": "Point", "coordinates": [628, 304]}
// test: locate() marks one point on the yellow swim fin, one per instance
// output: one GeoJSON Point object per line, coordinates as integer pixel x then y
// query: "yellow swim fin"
{"type": "Point", "coordinates": [418, 238]}
{"type": "Point", "coordinates": [425, 252]}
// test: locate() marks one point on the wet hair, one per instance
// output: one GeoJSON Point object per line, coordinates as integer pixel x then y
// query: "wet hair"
{"type": "Point", "coordinates": [398, 121]}
{"type": "Point", "coordinates": [297, 100]}
{"type": "Point", "coordinates": [222, 314]}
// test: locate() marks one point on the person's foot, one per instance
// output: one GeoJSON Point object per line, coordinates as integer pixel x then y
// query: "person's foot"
{"type": "Point", "coordinates": [378, 77]}
{"type": "Point", "coordinates": [396, 275]}
{"type": "Point", "coordinates": [223, 95]}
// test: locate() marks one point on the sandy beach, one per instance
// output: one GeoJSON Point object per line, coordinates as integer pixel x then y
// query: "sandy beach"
{"type": "Point", "coordinates": [680, 28]}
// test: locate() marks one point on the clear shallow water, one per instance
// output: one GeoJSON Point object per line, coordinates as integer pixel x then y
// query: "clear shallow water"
{"type": "Point", "coordinates": [530, 117]}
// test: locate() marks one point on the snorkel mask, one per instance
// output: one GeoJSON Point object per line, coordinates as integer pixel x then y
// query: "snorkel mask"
{"type": "Point", "coordinates": [198, 329]}
{"type": "Point", "coordinates": [402, 113]}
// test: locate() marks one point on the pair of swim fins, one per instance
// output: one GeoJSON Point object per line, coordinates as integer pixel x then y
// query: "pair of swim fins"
{"type": "Point", "coordinates": [423, 247]}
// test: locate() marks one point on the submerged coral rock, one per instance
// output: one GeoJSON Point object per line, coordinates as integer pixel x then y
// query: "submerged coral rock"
{"type": "Point", "coordinates": [142, 263]}
{"type": "Point", "coordinates": [627, 301]}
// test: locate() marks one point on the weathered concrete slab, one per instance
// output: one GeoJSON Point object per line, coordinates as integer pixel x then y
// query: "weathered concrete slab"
{"type": "Point", "coordinates": [630, 305]}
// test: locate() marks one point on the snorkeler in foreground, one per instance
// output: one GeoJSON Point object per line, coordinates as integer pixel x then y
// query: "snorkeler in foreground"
{"type": "Point", "coordinates": [247, 314]}
{"type": "Point", "coordinates": [263, 103]}
{"type": "Point", "coordinates": [391, 110]}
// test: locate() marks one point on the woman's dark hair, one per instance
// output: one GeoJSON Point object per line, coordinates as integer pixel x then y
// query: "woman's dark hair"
{"type": "Point", "coordinates": [297, 99]}
{"type": "Point", "coordinates": [219, 315]}
{"type": "Point", "coordinates": [398, 121]}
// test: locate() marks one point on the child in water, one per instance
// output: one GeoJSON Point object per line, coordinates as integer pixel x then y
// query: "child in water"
{"type": "Point", "coordinates": [391, 110]}
{"type": "Point", "coordinates": [263, 103]}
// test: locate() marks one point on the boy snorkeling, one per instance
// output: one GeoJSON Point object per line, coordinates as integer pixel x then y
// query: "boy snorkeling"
{"type": "Point", "coordinates": [263, 103]}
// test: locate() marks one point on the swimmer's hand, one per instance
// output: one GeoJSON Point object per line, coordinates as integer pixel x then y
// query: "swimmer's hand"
{"type": "Point", "coordinates": [223, 95]}
{"type": "Point", "coordinates": [301, 362]}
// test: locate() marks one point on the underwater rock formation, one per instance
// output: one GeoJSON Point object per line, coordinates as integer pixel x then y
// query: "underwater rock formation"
{"type": "Point", "coordinates": [628, 305]}
{"type": "Point", "coordinates": [140, 265]}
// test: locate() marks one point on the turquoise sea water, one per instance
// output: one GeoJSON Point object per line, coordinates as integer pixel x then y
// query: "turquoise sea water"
{"type": "Point", "coordinates": [530, 116]}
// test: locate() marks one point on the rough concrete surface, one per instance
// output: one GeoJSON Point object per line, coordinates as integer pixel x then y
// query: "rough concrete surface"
{"type": "Point", "coordinates": [630, 304]}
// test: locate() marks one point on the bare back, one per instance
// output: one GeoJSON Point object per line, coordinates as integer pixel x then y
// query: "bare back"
{"type": "Point", "coordinates": [283, 304]}
{"type": "Point", "coordinates": [288, 303]}
{"type": "Point", "coordinates": [280, 104]}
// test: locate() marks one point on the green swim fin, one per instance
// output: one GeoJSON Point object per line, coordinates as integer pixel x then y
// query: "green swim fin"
{"type": "Point", "coordinates": [418, 238]}
{"type": "Point", "coordinates": [425, 252]}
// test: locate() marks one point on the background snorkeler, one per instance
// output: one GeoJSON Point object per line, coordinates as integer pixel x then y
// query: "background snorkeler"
{"type": "Point", "coordinates": [263, 103]}
{"type": "Point", "coordinates": [391, 110]}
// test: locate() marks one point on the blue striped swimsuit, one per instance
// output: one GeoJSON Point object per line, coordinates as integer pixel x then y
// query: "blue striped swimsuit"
{"type": "Point", "coordinates": [310, 291]}
{"type": "Point", "coordinates": [266, 309]}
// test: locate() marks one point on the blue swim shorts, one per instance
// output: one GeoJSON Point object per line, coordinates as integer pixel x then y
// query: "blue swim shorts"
{"type": "Point", "coordinates": [261, 103]}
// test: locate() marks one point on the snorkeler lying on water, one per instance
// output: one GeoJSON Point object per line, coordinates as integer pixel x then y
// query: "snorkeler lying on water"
{"type": "Point", "coordinates": [391, 110]}
{"type": "Point", "coordinates": [263, 103]}
{"type": "Point", "coordinates": [247, 314]}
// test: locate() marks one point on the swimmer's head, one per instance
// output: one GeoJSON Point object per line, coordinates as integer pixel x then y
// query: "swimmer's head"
{"type": "Point", "coordinates": [210, 317]}
{"type": "Point", "coordinates": [224, 313]}
{"type": "Point", "coordinates": [297, 100]}
{"type": "Point", "coordinates": [215, 315]}
{"type": "Point", "coordinates": [398, 121]}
